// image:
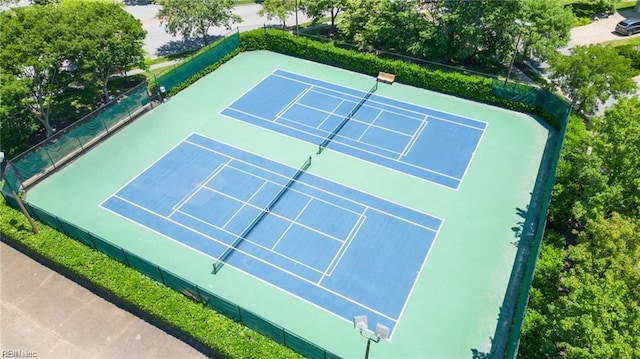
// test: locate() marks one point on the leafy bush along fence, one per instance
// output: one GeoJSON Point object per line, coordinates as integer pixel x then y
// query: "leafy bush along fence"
{"type": "Point", "coordinates": [214, 334]}
{"type": "Point", "coordinates": [512, 96]}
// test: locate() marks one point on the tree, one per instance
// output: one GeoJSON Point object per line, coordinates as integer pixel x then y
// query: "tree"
{"type": "Point", "coordinates": [599, 316]}
{"type": "Point", "coordinates": [617, 144]}
{"type": "Point", "coordinates": [382, 24]}
{"type": "Point", "coordinates": [278, 9]}
{"type": "Point", "coordinates": [475, 31]}
{"type": "Point", "coordinates": [36, 51]}
{"type": "Point", "coordinates": [112, 40]}
{"type": "Point", "coordinates": [190, 18]}
{"type": "Point", "coordinates": [551, 26]}
{"type": "Point", "coordinates": [316, 9]}
{"type": "Point", "coordinates": [592, 74]}
{"type": "Point", "coordinates": [570, 176]}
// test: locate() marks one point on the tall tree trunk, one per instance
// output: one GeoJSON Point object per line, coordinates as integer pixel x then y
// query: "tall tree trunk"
{"type": "Point", "coordinates": [637, 9]}
{"type": "Point", "coordinates": [47, 127]}
{"type": "Point", "coordinates": [105, 90]}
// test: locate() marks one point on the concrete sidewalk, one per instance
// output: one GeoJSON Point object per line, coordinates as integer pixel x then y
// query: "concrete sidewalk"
{"type": "Point", "coordinates": [45, 315]}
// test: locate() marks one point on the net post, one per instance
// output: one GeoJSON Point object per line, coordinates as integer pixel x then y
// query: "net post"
{"type": "Point", "coordinates": [263, 213]}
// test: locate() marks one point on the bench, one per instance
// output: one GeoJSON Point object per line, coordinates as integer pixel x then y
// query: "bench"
{"type": "Point", "coordinates": [386, 78]}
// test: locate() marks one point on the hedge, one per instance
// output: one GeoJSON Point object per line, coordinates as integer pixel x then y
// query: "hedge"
{"type": "Point", "coordinates": [215, 334]}
{"type": "Point", "coordinates": [476, 88]}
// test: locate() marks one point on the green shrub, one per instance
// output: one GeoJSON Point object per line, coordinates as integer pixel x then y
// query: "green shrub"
{"type": "Point", "coordinates": [224, 336]}
{"type": "Point", "coordinates": [632, 52]}
{"type": "Point", "coordinates": [476, 88]}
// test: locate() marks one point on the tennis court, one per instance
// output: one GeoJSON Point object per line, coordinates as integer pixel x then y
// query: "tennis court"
{"type": "Point", "coordinates": [308, 241]}
{"type": "Point", "coordinates": [409, 215]}
{"type": "Point", "coordinates": [433, 145]}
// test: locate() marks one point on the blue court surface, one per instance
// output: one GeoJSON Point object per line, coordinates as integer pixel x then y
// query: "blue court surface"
{"type": "Point", "coordinates": [345, 251]}
{"type": "Point", "coordinates": [433, 145]}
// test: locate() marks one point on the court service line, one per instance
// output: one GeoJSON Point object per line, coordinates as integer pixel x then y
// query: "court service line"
{"type": "Point", "coordinates": [473, 154]}
{"type": "Point", "coordinates": [328, 115]}
{"type": "Point", "coordinates": [293, 274]}
{"type": "Point", "coordinates": [414, 139]}
{"type": "Point", "coordinates": [369, 104]}
{"type": "Point", "coordinates": [353, 119]}
{"type": "Point", "coordinates": [345, 246]}
{"type": "Point", "coordinates": [293, 102]}
{"type": "Point", "coordinates": [146, 168]}
{"type": "Point", "coordinates": [198, 187]}
{"type": "Point", "coordinates": [244, 205]}
{"type": "Point", "coordinates": [378, 96]}
{"type": "Point", "coordinates": [247, 204]}
{"type": "Point", "coordinates": [357, 149]}
{"type": "Point", "coordinates": [378, 105]}
{"type": "Point", "coordinates": [326, 180]}
{"type": "Point", "coordinates": [281, 185]}
{"type": "Point", "coordinates": [371, 124]}
{"type": "Point", "coordinates": [237, 235]}
{"type": "Point", "coordinates": [415, 281]}
{"type": "Point", "coordinates": [291, 223]}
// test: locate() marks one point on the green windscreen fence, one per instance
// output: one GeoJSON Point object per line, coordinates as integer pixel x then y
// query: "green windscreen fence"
{"type": "Point", "coordinates": [76, 138]}
{"type": "Point", "coordinates": [541, 99]}
{"type": "Point", "coordinates": [188, 68]}
{"type": "Point", "coordinates": [181, 285]}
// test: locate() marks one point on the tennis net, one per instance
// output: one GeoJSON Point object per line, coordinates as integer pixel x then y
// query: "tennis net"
{"type": "Point", "coordinates": [337, 129]}
{"type": "Point", "coordinates": [225, 255]}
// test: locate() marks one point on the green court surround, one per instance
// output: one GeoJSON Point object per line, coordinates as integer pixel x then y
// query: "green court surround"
{"type": "Point", "coordinates": [454, 308]}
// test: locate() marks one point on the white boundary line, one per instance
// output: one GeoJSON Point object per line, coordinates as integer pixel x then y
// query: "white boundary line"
{"type": "Point", "coordinates": [291, 223]}
{"type": "Point", "coordinates": [424, 262]}
{"type": "Point", "coordinates": [290, 104]}
{"type": "Point", "coordinates": [417, 134]}
{"type": "Point", "coordinates": [325, 179]}
{"type": "Point", "coordinates": [381, 96]}
{"type": "Point", "coordinates": [345, 246]}
{"type": "Point", "coordinates": [201, 185]}
{"type": "Point", "coordinates": [473, 154]}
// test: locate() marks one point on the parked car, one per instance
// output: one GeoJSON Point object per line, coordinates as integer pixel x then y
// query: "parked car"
{"type": "Point", "coordinates": [628, 26]}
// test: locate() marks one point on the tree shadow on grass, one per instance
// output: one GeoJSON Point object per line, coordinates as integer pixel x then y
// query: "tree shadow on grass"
{"type": "Point", "coordinates": [176, 47]}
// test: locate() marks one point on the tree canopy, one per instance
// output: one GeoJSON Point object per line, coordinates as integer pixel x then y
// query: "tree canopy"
{"type": "Point", "coordinates": [592, 74]}
{"type": "Point", "coordinates": [194, 18]}
{"type": "Point", "coordinates": [44, 50]}
{"type": "Point", "coordinates": [278, 9]}
{"type": "Point", "coordinates": [585, 300]}
{"type": "Point", "coordinates": [551, 24]}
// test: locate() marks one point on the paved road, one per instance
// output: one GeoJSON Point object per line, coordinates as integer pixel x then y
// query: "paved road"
{"type": "Point", "coordinates": [159, 43]}
{"type": "Point", "coordinates": [44, 314]}
{"type": "Point", "coordinates": [599, 31]}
